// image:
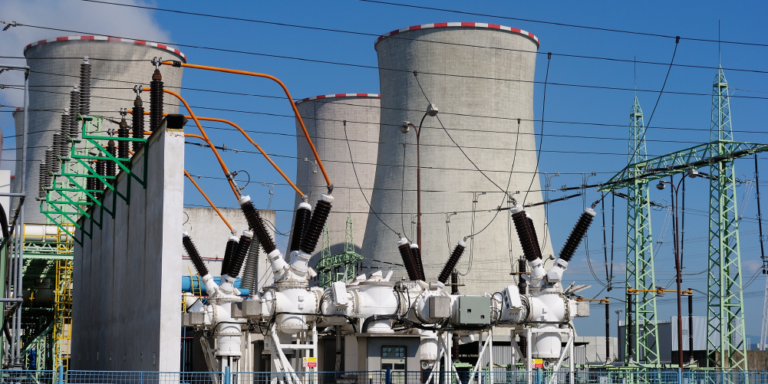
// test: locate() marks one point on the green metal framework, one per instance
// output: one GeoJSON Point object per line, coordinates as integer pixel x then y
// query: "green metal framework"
{"type": "Point", "coordinates": [67, 199]}
{"type": "Point", "coordinates": [726, 346]}
{"type": "Point", "coordinates": [341, 266]}
{"type": "Point", "coordinates": [640, 312]}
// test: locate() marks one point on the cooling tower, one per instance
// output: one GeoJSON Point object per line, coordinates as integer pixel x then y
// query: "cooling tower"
{"type": "Point", "coordinates": [116, 66]}
{"type": "Point", "coordinates": [480, 77]}
{"type": "Point", "coordinates": [324, 118]}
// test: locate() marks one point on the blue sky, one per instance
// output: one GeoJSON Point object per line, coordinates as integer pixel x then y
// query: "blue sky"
{"type": "Point", "coordinates": [741, 21]}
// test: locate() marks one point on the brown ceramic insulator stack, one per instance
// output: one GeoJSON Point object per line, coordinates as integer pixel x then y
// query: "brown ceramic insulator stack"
{"type": "Point", "coordinates": [137, 113]}
{"type": "Point", "coordinates": [155, 101]}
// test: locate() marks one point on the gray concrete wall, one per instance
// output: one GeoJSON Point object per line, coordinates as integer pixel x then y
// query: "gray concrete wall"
{"type": "Point", "coordinates": [210, 235]}
{"type": "Point", "coordinates": [126, 300]}
{"type": "Point", "coordinates": [481, 116]}
{"type": "Point", "coordinates": [55, 68]}
{"type": "Point", "coordinates": [324, 121]}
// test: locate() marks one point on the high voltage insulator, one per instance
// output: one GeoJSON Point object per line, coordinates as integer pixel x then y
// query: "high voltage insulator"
{"type": "Point", "coordinates": [416, 253]}
{"type": "Point", "coordinates": [228, 252]}
{"type": "Point", "coordinates": [56, 165]}
{"type": "Point", "coordinates": [526, 234]}
{"type": "Point", "coordinates": [535, 236]}
{"type": "Point", "coordinates": [454, 282]}
{"type": "Point", "coordinates": [577, 234]}
{"type": "Point", "coordinates": [450, 265]}
{"type": "Point", "coordinates": [251, 272]}
{"type": "Point", "coordinates": [194, 255]}
{"type": "Point", "coordinates": [256, 223]}
{"type": "Point", "coordinates": [74, 110]}
{"type": "Point", "coordinates": [85, 87]}
{"type": "Point", "coordinates": [155, 100]}
{"type": "Point", "coordinates": [239, 254]}
{"type": "Point", "coordinates": [122, 132]}
{"type": "Point", "coordinates": [64, 132]}
{"type": "Point", "coordinates": [137, 113]}
{"type": "Point", "coordinates": [300, 223]}
{"type": "Point", "coordinates": [41, 192]}
{"type": "Point", "coordinates": [111, 165]}
{"type": "Point", "coordinates": [100, 170]}
{"type": "Point", "coordinates": [316, 224]}
{"type": "Point", "coordinates": [405, 254]}
{"type": "Point", "coordinates": [50, 159]}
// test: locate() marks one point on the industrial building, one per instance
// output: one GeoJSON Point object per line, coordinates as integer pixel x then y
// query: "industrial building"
{"type": "Point", "coordinates": [491, 120]}
{"type": "Point", "coordinates": [435, 178]}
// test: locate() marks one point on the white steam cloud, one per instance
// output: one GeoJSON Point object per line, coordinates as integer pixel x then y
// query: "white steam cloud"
{"type": "Point", "coordinates": [76, 15]}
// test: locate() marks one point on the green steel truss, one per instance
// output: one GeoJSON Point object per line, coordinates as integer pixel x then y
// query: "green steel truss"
{"type": "Point", "coordinates": [726, 346]}
{"type": "Point", "coordinates": [67, 199]}
{"type": "Point", "coordinates": [641, 311]}
{"type": "Point", "coordinates": [341, 266]}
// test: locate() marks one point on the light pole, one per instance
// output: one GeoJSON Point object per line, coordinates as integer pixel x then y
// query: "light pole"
{"type": "Point", "coordinates": [660, 186]}
{"type": "Point", "coordinates": [431, 111]}
{"type": "Point", "coordinates": [618, 328]}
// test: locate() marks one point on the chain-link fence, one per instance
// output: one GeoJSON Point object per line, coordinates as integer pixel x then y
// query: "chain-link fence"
{"type": "Point", "coordinates": [596, 376]}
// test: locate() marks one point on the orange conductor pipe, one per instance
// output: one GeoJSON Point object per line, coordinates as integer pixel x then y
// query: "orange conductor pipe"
{"type": "Point", "coordinates": [295, 188]}
{"type": "Point", "coordinates": [206, 198]}
{"type": "Point", "coordinates": [205, 137]}
{"type": "Point", "coordinates": [287, 94]}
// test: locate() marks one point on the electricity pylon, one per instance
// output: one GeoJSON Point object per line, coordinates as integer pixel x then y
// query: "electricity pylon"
{"type": "Point", "coordinates": [641, 300]}
{"type": "Point", "coordinates": [726, 343]}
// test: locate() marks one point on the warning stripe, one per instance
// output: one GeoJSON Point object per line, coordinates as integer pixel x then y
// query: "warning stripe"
{"type": "Point", "coordinates": [109, 39]}
{"type": "Point", "coordinates": [461, 25]}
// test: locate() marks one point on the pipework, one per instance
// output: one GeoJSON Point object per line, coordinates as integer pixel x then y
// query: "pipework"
{"type": "Point", "coordinates": [287, 94]}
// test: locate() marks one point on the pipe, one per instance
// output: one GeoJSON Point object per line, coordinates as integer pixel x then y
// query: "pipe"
{"type": "Point", "coordinates": [277, 168]}
{"type": "Point", "coordinates": [207, 199]}
{"type": "Point", "coordinates": [189, 285]}
{"type": "Point", "coordinates": [205, 137]}
{"type": "Point", "coordinates": [266, 156]}
{"type": "Point", "coordinates": [287, 94]}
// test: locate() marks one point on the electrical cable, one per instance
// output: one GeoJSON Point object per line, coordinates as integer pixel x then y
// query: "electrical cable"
{"type": "Point", "coordinates": [378, 68]}
{"type": "Point", "coordinates": [601, 29]}
{"type": "Point", "coordinates": [351, 160]}
{"type": "Point", "coordinates": [232, 18]}
{"type": "Point", "coordinates": [541, 139]}
{"type": "Point", "coordinates": [589, 124]}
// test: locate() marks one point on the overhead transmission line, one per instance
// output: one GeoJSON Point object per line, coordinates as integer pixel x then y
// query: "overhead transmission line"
{"type": "Point", "coordinates": [421, 40]}
{"type": "Point", "coordinates": [375, 67]}
{"type": "Point", "coordinates": [586, 27]}
{"type": "Point", "coordinates": [451, 128]}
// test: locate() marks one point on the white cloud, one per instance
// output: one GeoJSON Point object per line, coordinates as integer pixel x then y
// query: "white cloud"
{"type": "Point", "coordinates": [91, 18]}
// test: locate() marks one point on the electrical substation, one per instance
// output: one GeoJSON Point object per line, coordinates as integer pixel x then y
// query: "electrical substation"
{"type": "Point", "coordinates": [106, 269]}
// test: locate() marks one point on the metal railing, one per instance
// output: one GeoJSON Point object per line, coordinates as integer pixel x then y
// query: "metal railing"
{"type": "Point", "coordinates": [671, 376]}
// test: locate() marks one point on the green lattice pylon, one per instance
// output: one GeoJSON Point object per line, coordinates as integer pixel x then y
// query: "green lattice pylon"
{"type": "Point", "coordinates": [641, 311]}
{"type": "Point", "coordinates": [726, 346]}
{"type": "Point", "coordinates": [341, 266]}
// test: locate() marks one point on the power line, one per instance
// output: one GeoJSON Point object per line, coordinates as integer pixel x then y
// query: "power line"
{"type": "Point", "coordinates": [399, 37]}
{"type": "Point", "coordinates": [374, 67]}
{"type": "Point", "coordinates": [587, 27]}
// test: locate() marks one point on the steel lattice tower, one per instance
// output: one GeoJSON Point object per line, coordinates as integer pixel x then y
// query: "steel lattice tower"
{"type": "Point", "coordinates": [641, 309]}
{"type": "Point", "coordinates": [726, 347]}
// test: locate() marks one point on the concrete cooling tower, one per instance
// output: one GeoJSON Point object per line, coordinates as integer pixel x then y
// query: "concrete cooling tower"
{"type": "Point", "coordinates": [324, 118]}
{"type": "Point", "coordinates": [116, 66]}
{"type": "Point", "coordinates": [480, 77]}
